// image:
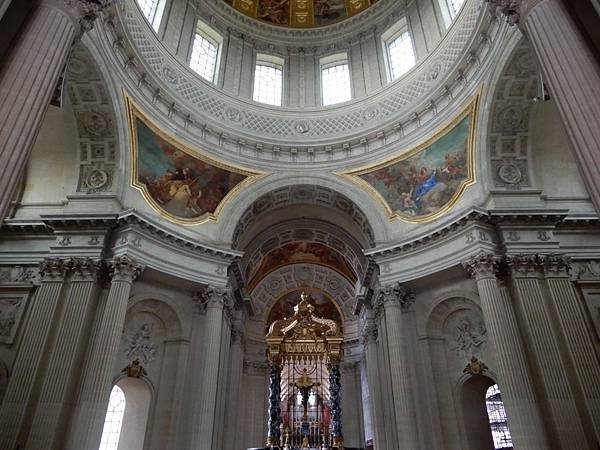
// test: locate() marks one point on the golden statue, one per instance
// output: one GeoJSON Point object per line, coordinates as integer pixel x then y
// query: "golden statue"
{"type": "Point", "coordinates": [305, 443]}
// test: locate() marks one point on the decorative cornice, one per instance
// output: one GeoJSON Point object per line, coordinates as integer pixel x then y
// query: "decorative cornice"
{"type": "Point", "coordinates": [124, 269]}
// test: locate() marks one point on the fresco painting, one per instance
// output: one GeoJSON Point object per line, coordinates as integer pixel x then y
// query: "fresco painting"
{"type": "Point", "coordinates": [317, 13]}
{"type": "Point", "coordinates": [300, 252]}
{"type": "Point", "coordinates": [284, 307]}
{"type": "Point", "coordinates": [426, 182]}
{"type": "Point", "coordinates": [177, 183]}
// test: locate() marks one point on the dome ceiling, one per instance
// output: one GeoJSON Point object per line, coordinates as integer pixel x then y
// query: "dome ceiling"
{"type": "Point", "coordinates": [300, 13]}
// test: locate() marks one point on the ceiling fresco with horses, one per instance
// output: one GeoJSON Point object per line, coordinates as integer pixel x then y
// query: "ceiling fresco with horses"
{"type": "Point", "coordinates": [300, 13]}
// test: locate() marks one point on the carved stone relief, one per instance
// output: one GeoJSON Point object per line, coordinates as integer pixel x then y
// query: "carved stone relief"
{"type": "Point", "coordinates": [509, 130]}
{"type": "Point", "coordinates": [142, 340]}
{"type": "Point", "coordinates": [12, 306]}
{"type": "Point", "coordinates": [96, 123]}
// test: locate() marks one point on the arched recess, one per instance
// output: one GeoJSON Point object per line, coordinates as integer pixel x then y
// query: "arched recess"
{"type": "Point", "coordinates": [474, 412]}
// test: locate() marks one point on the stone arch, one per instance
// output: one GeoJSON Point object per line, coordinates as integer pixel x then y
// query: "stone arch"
{"type": "Point", "coordinates": [473, 415]}
{"type": "Point", "coordinates": [509, 124]}
{"type": "Point", "coordinates": [330, 195]}
{"type": "Point", "coordinates": [447, 304]}
{"type": "Point", "coordinates": [98, 140]}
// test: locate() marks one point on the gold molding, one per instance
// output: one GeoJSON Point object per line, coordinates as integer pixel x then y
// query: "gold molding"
{"type": "Point", "coordinates": [134, 112]}
{"type": "Point", "coordinates": [471, 109]}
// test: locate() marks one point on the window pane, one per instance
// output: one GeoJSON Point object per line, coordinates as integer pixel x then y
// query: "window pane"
{"type": "Point", "coordinates": [114, 420]}
{"type": "Point", "coordinates": [335, 84]}
{"type": "Point", "coordinates": [455, 6]}
{"type": "Point", "coordinates": [401, 55]}
{"type": "Point", "coordinates": [148, 7]}
{"type": "Point", "coordinates": [498, 420]}
{"type": "Point", "coordinates": [204, 57]}
{"type": "Point", "coordinates": [268, 82]}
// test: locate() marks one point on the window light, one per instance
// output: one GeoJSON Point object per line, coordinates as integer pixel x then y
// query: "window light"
{"type": "Point", "coordinates": [113, 420]}
{"type": "Point", "coordinates": [455, 6]}
{"type": "Point", "coordinates": [268, 83]}
{"type": "Point", "coordinates": [401, 55]}
{"type": "Point", "coordinates": [497, 417]}
{"type": "Point", "coordinates": [335, 84]}
{"type": "Point", "coordinates": [152, 10]}
{"type": "Point", "coordinates": [204, 57]}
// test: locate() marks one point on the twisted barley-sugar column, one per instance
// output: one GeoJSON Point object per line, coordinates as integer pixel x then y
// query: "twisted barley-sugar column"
{"type": "Point", "coordinates": [572, 73]}
{"type": "Point", "coordinates": [42, 312]}
{"type": "Point", "coordinates": [369, 337]}
{"type": "Point", "coordinates": [29, 77]}
{"type": "Point", "coordinates": [394, 297]}
{"type": "Point", "coordinates": [66, 356]}
{"type": "Point", "coordinates": [532, 306]}
{"type": "Point", "coordinates": [525, 418]}
{"type": "Point", "coordinates": [576, 333]}
{"type": "Point", "coordinates": [87, 421]}
{"type": "Point", "coordinates": [206, 425]}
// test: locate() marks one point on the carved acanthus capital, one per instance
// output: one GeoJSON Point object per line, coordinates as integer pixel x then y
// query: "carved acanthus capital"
{"type": "Point", "coordinates": [515, 11]}
{"type": "Point", "coordinates": [84, 269]}
{"type": "Point", "coordinates": [525, 265]}
{"type": "Point", "coordinates": [213, 297]}
{"type": "Point", "coordinates": [53, 269]}
{"type": "Point", "coordinates": [397, 294]}
{"type": "Point", "coordinates": [125, 269]}
{"type": "Point", "coordinates": [86, 11]}
{"type": "Point", "coordinates": [557, 266]}
{"type": "Point", "coordinates": [483, 265]}
{"type": "Point", "coordinates": [369, 332]}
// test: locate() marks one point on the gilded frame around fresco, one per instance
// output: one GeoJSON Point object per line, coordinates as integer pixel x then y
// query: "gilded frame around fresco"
{"type": "Point", "coordinates": [471, 109]}
{"type": "Point", "coordinates": [134, 112]}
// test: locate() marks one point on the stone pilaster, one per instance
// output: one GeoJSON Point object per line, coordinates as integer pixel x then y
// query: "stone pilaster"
{"type": "Point", "coordinates": [575, 331]}
{"type": "Point", "coordinates": [43, 44]}
{"type": "Point", "coordinates": [537, 322]}
{"type": "Point", "coordinates": [395, 297]}
{"type": "Point", "coordinates": [42, 315]}
{"type": "Point", "coordinates": [90, 408]}
{"type": "Point", "coordinates": [233, 405]}
{"type": "Point", "coordinates": [66, 356]}
{"type": "Point", "coordinates": [572, 72]}
{"type": "Point", "coordinates": [206, 425]}
{"type": "Point", "coordinates": [369, 338]}
{"type": "Point", "coordinates": [525, 418]}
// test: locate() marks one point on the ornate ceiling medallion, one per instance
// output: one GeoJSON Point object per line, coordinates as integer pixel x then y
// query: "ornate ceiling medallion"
{"type": "Point", "coordinates": [424, 183]}
{"type": "Point", "coordinates": [180, 183]}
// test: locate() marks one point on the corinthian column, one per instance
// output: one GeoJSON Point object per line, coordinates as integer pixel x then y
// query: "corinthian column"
{"type": "Point", "coordinates": [66, 357]}
{"type": "Point", "coordinates": [572, 73]}
{"type": "Point", "coordinates": [215, 299]}
{"type": "Point", "coordinates": [233, 405]}
{"type": "Point", "coordinates": [575, 332]}
{"type": "Point", "coordinates": [42, 313]}
{"type": "Point", "coordinates": [395, 297]}
{"type": "Point", "coordinates": [525, 418]}
{"type": "Point", "coordinates": [369, 337]}
{"type": "Point", "coordinates": [94, 391]}
{"type": "Point", "coordinates": [537, 322]}
{"type": "Point", "coordinates": [28, 79]}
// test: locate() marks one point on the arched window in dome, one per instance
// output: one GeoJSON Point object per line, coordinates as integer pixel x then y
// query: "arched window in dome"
{"type": "Point", "coordinates": [206, 52]}
{"type": "Point", "coordinates": [114, 420]}
{"type": "Point", "coordinates": [335, 79]}
{"type": "Point", "coordinates": [399, 50]}
{"type": "Point", "coordinates": [497, 417]}
{"type": "Point", "coordinates": [268, 80]}
{"type": "Point", "coordinates": [454, 6]}
{"type": "Point", "coordinates": [153, 11]}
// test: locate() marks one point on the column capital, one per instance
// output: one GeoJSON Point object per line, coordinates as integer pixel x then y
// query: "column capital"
{"type": "Point", "coordinates": [124, 268]}
{"type": "Point", "coordinates": [515, 11]}
{"type": "Point", "coordinates": [396, 294]}
{"type": "Point", "coordinates": [557, 266]}
{"type": "Point", "coordinates": [369, 332]}
{"type": "Point", "coordinates": [212, 297]}
{"type": "Point", "coordinates": [521, 266]}
{"type": "Point", "coordinates": [53, 269]}
{"type": "Point", "coordinates": [483, 265]}
{"type": "Point", "coordinates": [84, 269]}
{"type": "Point", "coordinates": [82, 12]}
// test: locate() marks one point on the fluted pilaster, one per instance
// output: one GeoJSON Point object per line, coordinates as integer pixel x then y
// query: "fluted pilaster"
{"type": "Point", "coordinates": [572, 72]}
{"type": "Point", "coordinates": [526, 273]}
{"type": "Point", "coordinates": [44, 308]}
{"type": "Point", "coordinates": [215, 299]}
{"type": "Point", "coordinates": [233, 405]}
{"type": "Point", "coordinates": [88, 416]}
{"type": "Point", "coordinates": [369, 338]}
{"type": "Point", "coordinates": [66, 355]}
{"type": "Point", "coordinates": [44, 45]}
{"type": "Point", "coordinates": [525, 417]}
{"type": "Point", "coordinates": [395, 297]}
{"type": "Point", "coordinates": [575, 331]}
